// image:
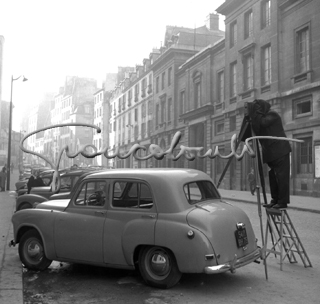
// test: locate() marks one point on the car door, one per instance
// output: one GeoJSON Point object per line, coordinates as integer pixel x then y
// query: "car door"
{"type": "Point", "coordinates": [78, 231]}
{"type": "Point", "coordinates": [130, 220]}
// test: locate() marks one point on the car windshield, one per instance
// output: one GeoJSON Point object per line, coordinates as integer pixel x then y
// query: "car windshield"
{"type": "Point", "coordinates": [200, 191]}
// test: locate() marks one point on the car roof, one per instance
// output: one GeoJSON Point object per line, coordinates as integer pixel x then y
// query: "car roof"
{"type": "Point", "coordinates": [158, 173]}
{"type": "Point", "coordinates": [166, 184]}
{"type": "Point", "coordinates": [77, 171]}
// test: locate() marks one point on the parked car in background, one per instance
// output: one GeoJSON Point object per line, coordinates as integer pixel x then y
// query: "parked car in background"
{"type": "Point", "coordinates": [163, 222]}
{"type": "Point", "coordinates": [45, 175]}
{"type": "Point", "coordinates": [40, 194]}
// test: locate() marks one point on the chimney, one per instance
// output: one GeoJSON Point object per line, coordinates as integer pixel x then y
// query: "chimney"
{"type": "Point", "coordinates": [213, 22]}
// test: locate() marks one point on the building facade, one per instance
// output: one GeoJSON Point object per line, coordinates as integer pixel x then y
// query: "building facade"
{"type": "Point", "coordinates": [271, 53]}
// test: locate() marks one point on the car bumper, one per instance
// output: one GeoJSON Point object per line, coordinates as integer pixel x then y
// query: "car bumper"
{"type": "Point", "coordinates": [235, 263]}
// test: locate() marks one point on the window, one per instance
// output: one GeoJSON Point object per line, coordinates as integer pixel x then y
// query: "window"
{"type": "Point", "coordinates": [248, 24]}
{"type": "Point", "coordinates": [119, 105]}
{"type": "Point", "coordinates": [169, 108]}
{"type": "Point", "coordinates": [302, 50]}
{"type": "Point", "coordinates": [114, 126]}
{"type": "Point", "coordinates": [219, 127]}
{"type": "Point", "coordinates": [135, 115]}
{"type": "Point", "coordinates": [136, 132]}
{"type": "Point", "coordinates": [157, 84]}
{"type": "Point", "coordinates": [136, 92]}
{"type": "Point", "coordinates": [197, 94]}
{"type": "Point", "coordinates": [129, 98]}
{"type": "Point", "coordinates": [233, 79]}
{"type": "Point", "coordinates": [302, 107]}
{"type": "Point", "coordinates": [144, 87]}
{"type": "Point", "coordinates": [163, 110]}
{"type": "Point", "coordinates": [233, 34]}
{"type": "Point", "coordinates": [182, 102]}
{"type": "Point", "coordinates": [266, 65]}
{"type": "Point", "coordinates": [233, 123]}
{"type": "Point", "coordinates": [304, 155]}
{"type": "Point", "coordinates": [200, 191]}
{"type": "Point", "coordinates": [150, 107]}
{"type": "Point", "coordinates": [265, 13]}
{"type": "Point", "coordinates": [163, 78]}
{"type": "Point", "coordinates": [143, 129]}
{"type": "Point", "coordinates": [149, 126]}
{"type": "Point", "coordinates": [131, 195]}
{"type": "Point", "coordinates": [248, 72]}
{"type": "Point", "coordinates": [143, 110]}
{"type": "Point", "coordinates": [92, 194]}
{"type": "Point", "coordinates": [221, 86]}
{"type": "Point", "coordinates": [124, 101]}
{"type": "Point", "coordinates": [169, 76]}
{"type": "Point", "coordinates": [157, 114]}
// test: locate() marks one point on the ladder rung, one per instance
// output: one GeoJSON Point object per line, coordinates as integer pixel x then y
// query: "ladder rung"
{"type": "Point", "coordinates": [289, 236]}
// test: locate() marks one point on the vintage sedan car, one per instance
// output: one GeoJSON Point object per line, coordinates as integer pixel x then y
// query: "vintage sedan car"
{"type": "Point", "coordinates": [69, 179]}
{"type": "Point", "coordinates": [163, 222]}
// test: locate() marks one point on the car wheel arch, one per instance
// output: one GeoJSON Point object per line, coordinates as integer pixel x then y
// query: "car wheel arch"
{"type": "Point", "coordinates": [24, 204]}
{"type": "Point", "coordinates": [26, 228]}
{"type": "Point", "coordinates": [139, 248]}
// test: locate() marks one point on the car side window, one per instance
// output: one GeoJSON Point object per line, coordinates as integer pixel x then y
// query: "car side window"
{"type": "Point", "coordinates": [46, 180]}
{"type": "Point", "coordinates": [93, 193]}
{"type": "Point", "coordinates": [65, 182]}
{"type": "Point", "coordinates": [132, 195]}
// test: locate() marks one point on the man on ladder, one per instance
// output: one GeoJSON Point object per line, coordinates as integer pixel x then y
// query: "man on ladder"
{"type": "Point", "coordinates": [275, 153]}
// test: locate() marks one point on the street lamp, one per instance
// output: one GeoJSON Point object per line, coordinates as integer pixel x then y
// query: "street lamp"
{"type": "Point", "coordinates": [10, 129]}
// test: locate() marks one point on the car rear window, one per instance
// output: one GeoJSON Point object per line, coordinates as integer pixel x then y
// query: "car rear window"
{"type": "Point", "coordinates": [200, 191]}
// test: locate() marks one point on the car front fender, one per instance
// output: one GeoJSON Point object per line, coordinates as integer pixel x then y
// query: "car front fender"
{"type": "Point", "coordinates": [29, 199]}
{"type": "Point", "coordinates": [40, 220]}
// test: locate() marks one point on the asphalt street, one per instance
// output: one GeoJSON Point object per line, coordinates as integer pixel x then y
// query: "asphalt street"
{"type": "Point", "coordinates": [11, 284]}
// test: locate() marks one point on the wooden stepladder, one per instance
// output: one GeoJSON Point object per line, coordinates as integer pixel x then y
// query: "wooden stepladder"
{"type": "Point", "coordinates": [285, 240]}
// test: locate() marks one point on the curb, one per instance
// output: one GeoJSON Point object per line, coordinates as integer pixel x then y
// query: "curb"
{"type": "Point", "coordinates": [290, 207]}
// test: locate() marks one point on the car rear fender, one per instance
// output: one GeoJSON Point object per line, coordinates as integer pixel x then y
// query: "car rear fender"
{"type": "Point", "coordinates": [189, 246]}
{"type": "Point", "coordinates": [219, 221]}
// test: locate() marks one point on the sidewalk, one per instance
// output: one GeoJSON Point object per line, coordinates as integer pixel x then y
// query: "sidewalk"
{"type": "Point", "coordinates": [11, 288]}
{"type": "Point", "coordinates": [302, 203]}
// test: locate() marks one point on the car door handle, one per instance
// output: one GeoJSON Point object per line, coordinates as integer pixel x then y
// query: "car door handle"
{"type": "Point", "coordinates": [100, 212]}
{"type": "Point", "coordinates": [149, 216]}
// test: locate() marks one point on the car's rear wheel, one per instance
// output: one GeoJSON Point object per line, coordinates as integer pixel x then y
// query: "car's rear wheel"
{"type": "Point", "coordinates": [31, 251]}
{"type": "Point", "coordinates": [25, 206]}
{"type": "Point", "coordinates": [158, 267]}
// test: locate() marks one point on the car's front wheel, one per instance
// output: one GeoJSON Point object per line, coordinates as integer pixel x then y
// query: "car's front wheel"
{"type": "Point", "coordinates": [158, 267]}
{"type": "Point", "coordinates": [31, 251]}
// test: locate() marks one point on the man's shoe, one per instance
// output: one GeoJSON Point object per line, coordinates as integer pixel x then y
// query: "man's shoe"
{"type": "Point", "coordinates": [280, 206]}
{"type": "Point", "coordinates": [272, 203]}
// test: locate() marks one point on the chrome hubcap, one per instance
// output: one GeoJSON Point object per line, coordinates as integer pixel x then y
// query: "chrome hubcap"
{"type": "Point", "coordinates": [34, 251]}
{"type": "Point", "coordinates": [159, 263]}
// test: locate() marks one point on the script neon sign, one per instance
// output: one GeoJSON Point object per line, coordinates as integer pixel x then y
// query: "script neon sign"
{"type": "Point", "coordinates": [190, 153]}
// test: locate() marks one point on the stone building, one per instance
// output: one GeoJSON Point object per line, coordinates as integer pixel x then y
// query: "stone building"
{"type": "Point", "coordinates": [271, 53]}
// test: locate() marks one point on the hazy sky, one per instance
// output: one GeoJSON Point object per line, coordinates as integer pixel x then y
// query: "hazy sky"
{"type": "Point", "coordinates": [47, 40]}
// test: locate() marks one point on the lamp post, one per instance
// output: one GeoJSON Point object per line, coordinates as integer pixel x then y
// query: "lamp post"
{"type": "Point", "coordinates": [20, 152]}
{"type": "Point", "coordinates": [10, 130]}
